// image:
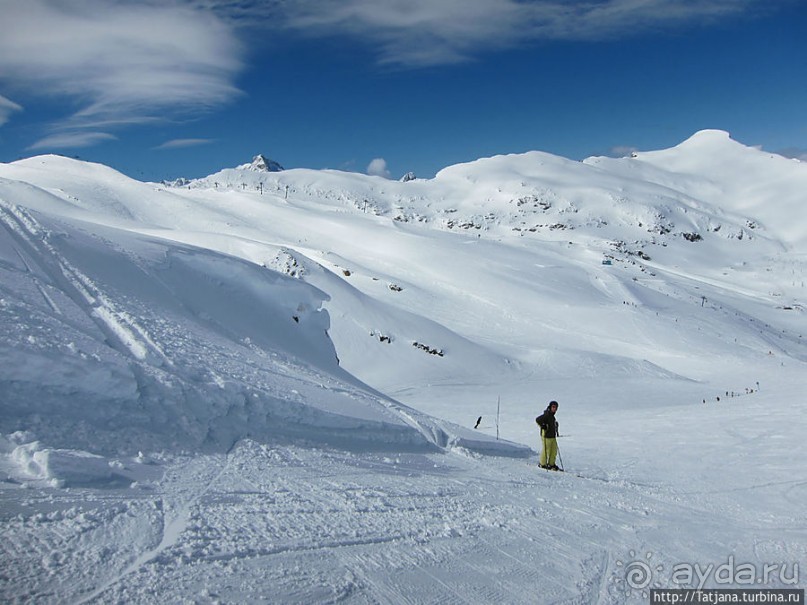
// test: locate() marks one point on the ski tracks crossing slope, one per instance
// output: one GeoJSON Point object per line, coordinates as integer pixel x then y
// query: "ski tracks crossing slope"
{"type": "Point", "coordinates": [323, 526]}
{"type": "Point", "coordinates": [176, 513]}
{"type": "Point", "coordinates": [32, 242]}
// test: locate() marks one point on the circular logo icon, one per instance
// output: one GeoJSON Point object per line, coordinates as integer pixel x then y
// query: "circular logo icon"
{"type": "Point", "coordinates": [638, 575]}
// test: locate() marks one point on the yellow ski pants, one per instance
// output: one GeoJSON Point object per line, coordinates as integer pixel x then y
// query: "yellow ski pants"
{"type": "Point", "coordinates": [549, 451]}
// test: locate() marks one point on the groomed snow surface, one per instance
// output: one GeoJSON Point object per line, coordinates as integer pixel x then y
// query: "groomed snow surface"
{"type": "Point", "coordinates": [262, 386]}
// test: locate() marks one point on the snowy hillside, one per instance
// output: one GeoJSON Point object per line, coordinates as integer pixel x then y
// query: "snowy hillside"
{"type": "Point", "coordinates": [261, 386]}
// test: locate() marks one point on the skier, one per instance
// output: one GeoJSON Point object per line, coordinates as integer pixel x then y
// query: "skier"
{"type": "Point", "coordinates": [549, 433]}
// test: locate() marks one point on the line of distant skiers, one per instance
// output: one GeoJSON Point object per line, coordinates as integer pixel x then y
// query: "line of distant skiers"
{"type": "Point", "coordinates": [729, 394]}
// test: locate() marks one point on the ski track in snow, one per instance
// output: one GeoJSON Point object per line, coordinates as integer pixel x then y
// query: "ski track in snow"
{"type": "Point", "coordinates": [320, 507]}
{"type": "Point", "coordinates": [265, 524]}
{"type": "Point", "coordinates": [119, 326]}
{"type": "Point", "coordinates": [172, 528]}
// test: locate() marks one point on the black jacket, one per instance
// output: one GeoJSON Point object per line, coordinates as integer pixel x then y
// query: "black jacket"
{"type": "Point", "coordinates": [548, 423]}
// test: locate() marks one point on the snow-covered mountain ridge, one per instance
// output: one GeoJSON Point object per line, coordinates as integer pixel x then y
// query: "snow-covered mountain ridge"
{"type": "Point", "coordinates": [708, 184]}
{"type": "Point", "coordinates": [497, 267]}
{"type": "Point", "coordinates": [282, 386]}
{"type": "Point", "coordinates": [260, 163]}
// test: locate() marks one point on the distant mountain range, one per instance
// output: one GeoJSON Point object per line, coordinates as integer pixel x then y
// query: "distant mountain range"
{"type": "Point", "coordinates": [317, 303]}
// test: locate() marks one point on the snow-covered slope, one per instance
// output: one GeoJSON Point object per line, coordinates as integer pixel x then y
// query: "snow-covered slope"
{"type": "Point", "coordinates": [490, 275]}
{"type": "Point", "coordinates": [768, 190]}
{"type": "Point", "coordinates": [314, 347]}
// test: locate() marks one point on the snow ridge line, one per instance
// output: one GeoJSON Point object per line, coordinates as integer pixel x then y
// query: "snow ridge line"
{"type": "Point", "coordinates": [432, 434]}
{"type": "Point", "coordinates": [79, 287]}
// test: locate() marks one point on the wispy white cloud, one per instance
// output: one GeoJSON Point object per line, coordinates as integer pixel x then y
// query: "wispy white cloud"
{"type": "Point", "coordinates": [378, 167]}
{"type": "Point", "coordinates": [423, 32]}
{"type": "Point", "coordinates": [118, 62]}
{"type": "Point", "coordinates": [181, 143]}
{"type": "Point", "coordinates": [72, 140]}
{"type": "Point", "coordinates": [621, 151]}
{"type": "Point", "coordinates": [413, 32]}
{"type": "Point", "coordinates": [7, 107]}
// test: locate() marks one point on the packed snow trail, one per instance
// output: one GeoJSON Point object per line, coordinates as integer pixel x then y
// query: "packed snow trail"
{"type": "Point", "coordinates": [292, 524]}
{"type": "Point", "coordinates": [172, 528]}
{"type": "Point", "coordinates": [283, 525]}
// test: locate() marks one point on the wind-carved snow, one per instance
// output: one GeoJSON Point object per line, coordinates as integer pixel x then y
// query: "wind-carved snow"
{"type": "Point", "coordinates": [261, 386]}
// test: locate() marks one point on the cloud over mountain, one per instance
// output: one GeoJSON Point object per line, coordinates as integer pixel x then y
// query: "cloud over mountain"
{"type": "Point", "coordinates": [6, 107]}
{"type": "Point", "coordinates": [422, 33]}
{"type": "Point", "coordinates": [117, 63]}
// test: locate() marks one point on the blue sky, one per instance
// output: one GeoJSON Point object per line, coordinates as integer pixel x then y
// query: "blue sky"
{"type": "Point", "coordinates": [168, 88]}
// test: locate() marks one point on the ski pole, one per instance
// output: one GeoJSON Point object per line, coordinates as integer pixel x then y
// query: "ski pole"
{"type": "Point", "coordinates": [560, 458]}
